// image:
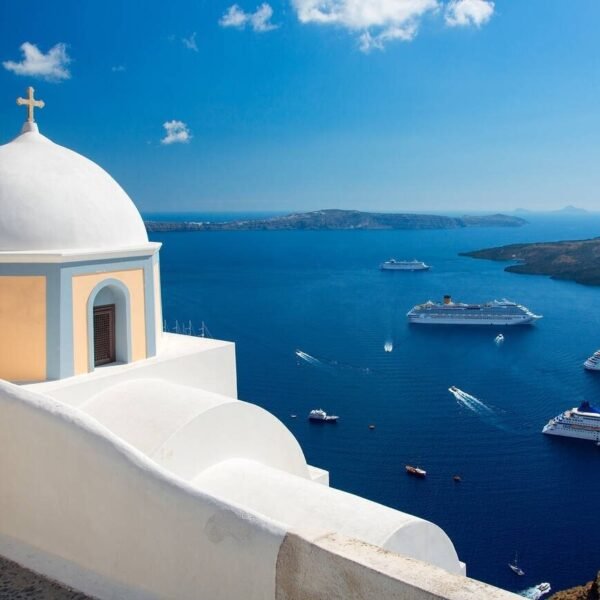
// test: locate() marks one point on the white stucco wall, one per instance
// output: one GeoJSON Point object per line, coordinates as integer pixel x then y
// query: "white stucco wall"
{"type": "Point", "coordinates": [82, 507]}
{"type": "Point", "coordinates": [316, 510]}
{"type": "Point", "coordinates": [196, 362]}
{"type": "Point", "coordinates": [335, 567]}
{"type": "Point", "coordinates": [187, 430]}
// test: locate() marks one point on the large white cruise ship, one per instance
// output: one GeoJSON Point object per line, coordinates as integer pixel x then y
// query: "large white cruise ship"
{"type": "Point", "coordinates": [403, 265]}
{"type": "Point", "coordinates": [593, 362]}
{"type": "Point", "coordinates": [496, 312]}
{"type": "Point", "coordinates": [582, 423]}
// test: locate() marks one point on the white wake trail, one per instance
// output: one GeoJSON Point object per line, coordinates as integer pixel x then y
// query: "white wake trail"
{"type": "Point", "coordinates": [470, 402]}
{"type": "Point", "coordinates": [308, 358]}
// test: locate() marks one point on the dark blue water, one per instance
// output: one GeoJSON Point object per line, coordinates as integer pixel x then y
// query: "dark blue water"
{"type": "Point", "coordinates": [322, 293]}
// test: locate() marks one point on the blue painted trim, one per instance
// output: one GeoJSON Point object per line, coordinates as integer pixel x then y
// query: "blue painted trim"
{"type": "Point", "coordinates": [149, 304]}
{"type": "Point", "coordinates": [53, 321]}
{"type": "Point", "coordinates": [67, 357]}
{"type": "Point", "coordinates": [122, 326]}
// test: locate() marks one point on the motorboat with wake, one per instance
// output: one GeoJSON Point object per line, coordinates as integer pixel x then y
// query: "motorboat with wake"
{"type": "Point", "coordinates": [542, 589]}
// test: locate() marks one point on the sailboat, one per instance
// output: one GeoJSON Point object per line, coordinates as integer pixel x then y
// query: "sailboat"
{"type": "Point", "coordinates": [515, 567]}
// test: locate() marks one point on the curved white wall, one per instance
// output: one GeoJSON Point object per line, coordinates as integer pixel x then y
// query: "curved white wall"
{"type": "Point", "coordinates": [309, 508]}
{"type": "Point", "coordinates": [187, 430]}
{"type": "Point", "coordinates": [80, 506]}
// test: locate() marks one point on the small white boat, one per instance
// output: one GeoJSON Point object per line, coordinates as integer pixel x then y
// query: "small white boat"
{"type": "Point", "coordinates": [542, 589]}
{"type": "Point", "coordinates": [415, 471]}
{"type": "Point", "coordinates": [499, 339]}
{"type": "Point", "coordinates": [388, 346]}
{"type": "Point", "coordinates": [593, 362]}
{"type": "Point", "coordinates": [403, 265]}
{"type": "Point", "coordinates": [320, 415]}
{"type": "Point", "coordinates": [515, 567]}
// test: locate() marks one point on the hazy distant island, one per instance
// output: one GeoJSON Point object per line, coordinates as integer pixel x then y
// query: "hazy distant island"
{"type": "Point", "coordinates": [577, 260]}
{"type": "Point", "coordinates": [334, 219]}
{"type": "Point", "coordinates": [566, 211]}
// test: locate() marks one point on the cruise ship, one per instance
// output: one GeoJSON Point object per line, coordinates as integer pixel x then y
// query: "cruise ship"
{"type": "Point", "coordinates": [496, 312]}
{"type": "Point", "coordinates": [593, 362]}
{"type": "Point", "coordinates": [582, 423]}
{"type": "Point", "coordinates": [403, 265]}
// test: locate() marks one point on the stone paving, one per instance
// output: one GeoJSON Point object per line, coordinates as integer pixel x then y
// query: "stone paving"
{"type": "Point", "coordinates": [17, 583]}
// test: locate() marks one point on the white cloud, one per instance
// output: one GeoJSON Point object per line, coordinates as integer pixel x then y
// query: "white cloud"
{"type": "Point", "coordinates": [460, 13]}
{"type": "Point", "coordinates": [377, 22]}
{"type": "Point", "coordinates": [176, 132]}
{"type": "Point", "coordinates": [234, 17]}
{"type": "Point", "coordinates": [368, 41]}
{"type": "Point", "coordinates": [190, 42]}
{"type": "Point", "coordinates": [52, 66]}
{"type": "Point", "coordinates": [380, 21]}
{"type": "Point", "coordinates": [259, 20]}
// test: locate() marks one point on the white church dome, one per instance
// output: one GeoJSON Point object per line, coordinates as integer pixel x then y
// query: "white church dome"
{"type": "Point", "coordinates": [52, 198]}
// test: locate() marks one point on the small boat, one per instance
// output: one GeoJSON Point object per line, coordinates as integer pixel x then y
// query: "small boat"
{"type": "Point", "coordinates": [371, 426]}
{"type": "Point", "coordinates": [515, 567]}
{"type": "Point", "coordinates": [321, 416]}
{"type": "Point", "coordinates": [542, 589]}
{"type": "Point", "coordinates": [457, 478]}
{"type": "Point", "coordinates": [415, 471]}
{"type": "Point", "coordinates": [403, 265]}
{"type": "Point", "coordinates": [453, 389]}
{"type": "Point", "coordinates": [499, 339]}
{"type": "Point", "coordinates": [388, 346]}
{"type": "Point", "coordinates": [293, 416]}
{"type": "Point", "coordinates": [593, 362]}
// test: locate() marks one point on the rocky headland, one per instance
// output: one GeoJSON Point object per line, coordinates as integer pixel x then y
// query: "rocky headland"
{"type": "Point", "coordinates": [590, 591]}
{"type": "Point", "coordinates": [576, 260]}
{"type": "Point", "coordinates": [341, 219]}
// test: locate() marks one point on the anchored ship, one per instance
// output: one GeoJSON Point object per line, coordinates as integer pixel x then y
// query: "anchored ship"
{"type": "Point", "coordinates": [318, 414]}
{"type": "Point", "coordinates": [403, 265]}
{"type": "Point", "coordinates": [593, 362]}
{"type": "Point", "coordinates": [496, 312]}
{"type": "Point", "coordinates": [582, 423]}
{"type": "Point", "coordinates": [415, 471]}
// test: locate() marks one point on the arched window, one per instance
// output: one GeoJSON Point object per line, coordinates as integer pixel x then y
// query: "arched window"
{"type": "Point", "coordinates": [109, 331]}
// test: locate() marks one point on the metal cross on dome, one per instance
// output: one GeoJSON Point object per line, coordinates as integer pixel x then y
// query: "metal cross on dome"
{"type": "Point", "coordinates": [30, 103]}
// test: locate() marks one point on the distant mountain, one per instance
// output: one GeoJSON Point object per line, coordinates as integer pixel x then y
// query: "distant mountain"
{"type": "Point", "coordinates": [577, 260]}
{"type": "Point", "coordinates": [567, 210]}
{"type": "Point", "coordinates": [573, 210]}
{"type": "Point", "coordinates": [334, 219]}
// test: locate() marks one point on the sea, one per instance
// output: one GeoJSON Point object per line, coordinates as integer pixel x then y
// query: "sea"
{"type": "Point", "coordinates": [310, 313]}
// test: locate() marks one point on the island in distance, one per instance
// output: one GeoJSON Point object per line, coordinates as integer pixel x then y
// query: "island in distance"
{"type": "Point", "coordinates": [577, 260]}
{"type": "Point", "coordinates": [335, 219]}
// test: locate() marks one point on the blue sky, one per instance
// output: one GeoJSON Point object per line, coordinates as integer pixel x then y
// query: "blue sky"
{"type": "Point", "coordinates": [436, 105]}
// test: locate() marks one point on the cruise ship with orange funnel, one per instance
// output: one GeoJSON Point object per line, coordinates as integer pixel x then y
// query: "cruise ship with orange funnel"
{"type": "Point", "coordinates": [496, 312]}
